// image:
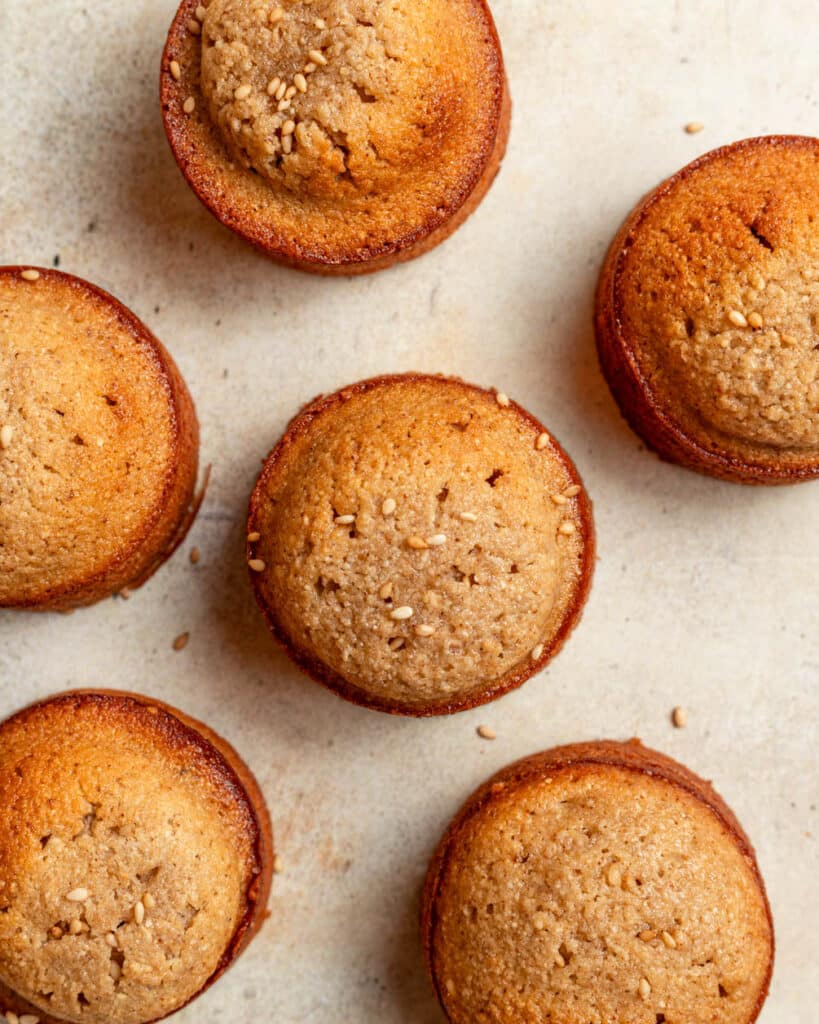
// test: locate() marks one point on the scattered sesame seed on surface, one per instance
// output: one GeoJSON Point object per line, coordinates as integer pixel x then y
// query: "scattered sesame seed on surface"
{"type": "Point", "coordinates": [290, 92]}
{"type": "Point", "coordinates": [669, 940]}
{"type": "Point", "coordinates": [148, 901]}
{"type": "Point", "coordinates": [573, 491]}
{"type": "Point", "coordinates": [320, 23]}
{"type": "Point", "coordinates": [6, 434]}
{"type": "Point", "coordinates": [468, 517]}
{"type": "Point", "coordinates": [278, 865]}
{"type": "Point", "coordinates": [29, 1018]}
{"type": "Point", "coordinates": [679, 716]}
{"type": "Point", "coordinates": [559, 499]}
{"type": "Point", "coordinates": [614, 876]}
{"type": "Point", "coordinates": [12, 1018]}
{"type": "Point", "coordinates": [754, 319]}
{"type": "Point", "coordinates": [276, 15]}
{"type": "Point", "coordinates": [189, 105]}
{"type": "Point", "coordinates": [139, 912]}
{"type": "Point", "coordinates": [194, 27]}
{"type": "Point", "coordinates": [281, 89]}
{"type": "Point", "coordinates": [388, 507]}
{"type": "Point", "coordinates": [437, 540]}
{"type": "Point", "coordinates": [273, 85]}
{"type": "Point", "coordinates": [737, 319]}
{"type": "Point", "coordinates": [385, 591]}
{"type": "Point", "coordinates": [486, 732]}
{"type": "Point", "coordinates": [181, 642]}
{"type": "Point", "coordinates": [424, 630]}
{"type": "Point", "coordinates": [256, 564]}
{"type": "Point", "coordinates": [194, 556]}
{"type": "Point", "coordinates": [288, 127]}
{"type": "Point", "coordinates": [300, 82]}
{"type": "Point", "coordinates": [542, 441]}
{"type": "Point", "coordinates": [78, 895]}
{"type": "Point", "coordinates": [648, 935]}
{"type": "Point", "coordinates": [317, 57]}
{"type": "Point", "coordinates": [30, 275]}
{"type": "Point", "coordinates": [201, 12]}
{"type": "Point", "coordinates": [346, 520]}
{"type": "Point", "coordinates": [417, 543]}
{"type": "Point", "coordinates": [175, 70]}
{"type": "Point", "coordinates": [693, 127]}
{"type": "Point", "coordinates": [502, 399]}
{"type": "Point", "coordinates": [537, 652]}
{"type": "Point", "coordinates": [254, 536]}
{"type": "Point", "coordinates": [309, 68]}
{"type": "Point", "coordinates": [283, 105]}
{"type": "Point", "coordinates": [404, 612]}
{"type": "Point", "coordinates": [287, 144]}
{"type": "Point", "coordinates": [76, 927]}
{"type": "Point", "coordinates": [644, 988]}
{"type": "Point", "coordinates": [242, 92]}
{"type": "Point", "coordinates": [567, 528]}
{"type": "Point", "coordinates": [111, 939]}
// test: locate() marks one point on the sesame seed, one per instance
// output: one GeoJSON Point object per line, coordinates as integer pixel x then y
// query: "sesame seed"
{"type": "Point", "coordinates": [300, 82]}
{"type": "Point", "coordinates": [288, 127]}
{"type": "Point", "coordinates": [273, 85]}
{"type": "Point", "coordinates": [648, 935]}
{"type": "Point", "coordinates": [737, 319]}
{"type": "Point", "coordinates": [486, 732]}
{"type": "Point", "coordinates": [256, 564]}
{"type": "Point", "coordinates": [644, 988]}
{"type": "Point", "coordinates": [56, 932]}
{"type": "Point", "coordinates": [417, 543]}
{"type": "Point", "coordinates": [201, 12]}
{"type": "Point", "coordinates": [242, 92]}
{"type": "Point", "coordinates": [559, 499]}
{"type": "Point", "coordinates": [77, 896]}
{"type": "Point", "coordinates": [614, 876]}
{"type": "Point", "coordinates": [404, 612]}
{"type": "Point", "coordinates": [194, 27]}
{"type": "Point", "coordinates": [424, 630]}
{"type": "Point", "coordinates": [139, 912]}
{"type": "Point", "coordinates": [189, 105]}
{"type": "Point", "coordinates": [281, 88]}
{"type": "Point", "coordinates": [502, 399]}
{"type": "Point", "coordinates": [276, 15]}
{"type": "Point", "coordinates": [559, 960]}
{"type": "Point", "coordinates": [385, 591]}
{"type": "Point", "coordinates": [12, 1018]}
{"type": "Point", "coordinates": [573, 491]}
{"type": "Point", "coordinates": [175, 70]}
{"type": "Point", "coordinates": [76, 927]}
{"type": "Point", "coordinates": [320, 23]}
{"type": "Point", "coordinates": [669, 940]}
{"type": "Point", "coordinates": [437, 540]}
{"type": "Point", "coordinates": [278, 864]}
{"type": "Point", "coordinates": [679, 716]}
{"type": "Point", "coordinates": [542, 440]}
{"type": "Point", "coordinates": [537, 652]}
{"type": "Point", "coordinates": [6, 434]}
{"type": "Point", "coordinates": [290, 92]}
{"type": "Point", "coordinates": [309, 68]}
{"type": "Point", "coordinates": [181, 641]}
{"type": "Point", "coordinates": [693, 127]}
{"type": "Point", "coordinates": [396, 643]}
{"type": "Point", "coordinates": [283, 105]}
{"type": "Point", "coordinates": [29, 1018]}
{"type": "Point", "coordinates": [194, 556]}
{"type": "Point", "coordinates": [148, 901]}
{"type": "Point", "coordinates": [253, 537]}
{"type": "Point", "coordinates": [317, 57]}
{"type": "Point", "coordinates": [567, 528]}
{"type": "Point", "coordinates": [302, 134]}
{"type": "Point", "coordinates": [754, 319]}
{"type": "Point", "coordinates": [344, 520]}
{"type": "Point", "coordinates": [111, 939]}
{"type": "Point", "coordinates": [388, 507]}
{"type": "Point", "coordinates": [30, 275]}
{"type": "Point", "coordinates": [468, 517]}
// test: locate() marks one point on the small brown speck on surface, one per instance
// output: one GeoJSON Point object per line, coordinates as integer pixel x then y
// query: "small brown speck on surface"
{"type": "Point", "coordinates": [194, 556]}
{"type": "Point", "coordinates": [486, 732]}
{"type": "Point", "coordinates": [679, 716]}
{"type": "Point", "coordinates": [77, 895]}
{"type": "Point", "coordinates": [181, 641]}
{"type": "Point", "coordinates": [693, 127]}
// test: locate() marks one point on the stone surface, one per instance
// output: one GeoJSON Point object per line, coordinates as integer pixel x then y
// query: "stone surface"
{"type": "Point", "coordinates": [705, 594]}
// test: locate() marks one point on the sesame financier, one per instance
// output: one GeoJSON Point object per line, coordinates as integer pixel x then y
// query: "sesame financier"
{"type": "Point", "coordinates": [708, 313]}
{"type": "Point", "coordinates": [99, 444]}
{"type": "Point", "coordinates": [135, 859]}
{"type": "Point", "coordinates": [595, 883]}
{"type": "Point", "coordinates": [418, 544]}
{"type": "Point", "coordinates": [339, 136]}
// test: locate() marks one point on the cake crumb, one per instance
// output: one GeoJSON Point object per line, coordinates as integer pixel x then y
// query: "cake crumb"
{"type": "Point", "coordinates": [181, 642]}
{"type": "Point", "coordinates": [194, 556]}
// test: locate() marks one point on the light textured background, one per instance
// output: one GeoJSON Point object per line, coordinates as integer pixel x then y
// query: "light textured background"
{"type": "Point", "coordinates": [705, 593]}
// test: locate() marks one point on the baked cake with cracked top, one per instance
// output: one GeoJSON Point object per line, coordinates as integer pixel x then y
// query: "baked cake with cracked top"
{"type": "Point", "coordinates": [339, 136]}
{"type": "Point", "coordinates": [135, 859]}
{"type": "Point", "coordinates": [99, 444]}
{"type": "Point", "coordinates": [419, 545]}
{"type": "Point", "coordinates": [708, 313]}
{"type": "Point", "coordinates": [596, 883]}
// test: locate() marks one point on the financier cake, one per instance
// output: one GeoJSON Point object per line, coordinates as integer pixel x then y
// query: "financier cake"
{"type": "Point", "coordinates": [98, 444]}
{"type": "Point", "coordinates": [135, 859]}
{"type": "Point", "coordinates": [594, 884]}
{"type": "Point", "coordinates": [419, 545]}
{"type": "Point", "coordinates": [708, 313]}
{"type": "Point", "coordinates": [338, 136]}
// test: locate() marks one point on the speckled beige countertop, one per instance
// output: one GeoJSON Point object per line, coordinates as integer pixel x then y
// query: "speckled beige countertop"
{"type": "Point", "coordinates": [705, 594]}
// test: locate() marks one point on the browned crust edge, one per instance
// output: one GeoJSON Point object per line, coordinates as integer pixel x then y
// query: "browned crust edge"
{"type": "Point", "coordinates": [414, 243]}
{"type": "Point", "coordinates": [640, 407]}
{"type": "Point", "coordinates": [320, 672]}
{"type": "Point", "coordinates": [632, 756]}
{"type": "Point", "coordinates": [175, 511]}
{"type": "Point", "coordinates": [228, 771]}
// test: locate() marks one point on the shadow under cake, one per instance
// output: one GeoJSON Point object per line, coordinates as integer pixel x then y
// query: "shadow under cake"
{"type": "Point", "coordinates": [337, 138]}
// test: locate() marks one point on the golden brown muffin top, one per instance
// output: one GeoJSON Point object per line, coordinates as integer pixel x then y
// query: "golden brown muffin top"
{"type": "Point", "coordinates": [596, 893]}
{"type": "Point", "coordinates": [368, 122]}
{"type": "Point", "coordinates": [717, 294]}
{"type": "Point", "coordinates": [126, 852]}
{"type": "Point", "coordinates": [89, 428]}
{"type": "Point", "coordinates": [417, 541]}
